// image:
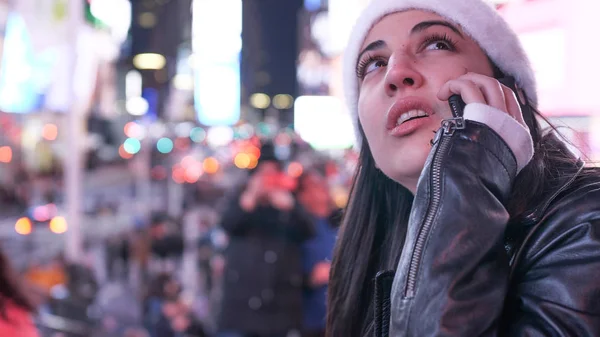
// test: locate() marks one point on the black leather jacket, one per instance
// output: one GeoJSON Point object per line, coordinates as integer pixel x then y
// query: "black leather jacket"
{"type": "Point", "coordinates": [461, 275]}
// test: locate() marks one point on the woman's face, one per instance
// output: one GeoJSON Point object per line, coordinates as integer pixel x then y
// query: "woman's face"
{"type": "Point", "coordinates": [404, 61]}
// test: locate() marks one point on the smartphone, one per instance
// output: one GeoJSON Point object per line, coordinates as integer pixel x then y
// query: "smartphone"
{"type": "Point", "coordinates": [457, 105]}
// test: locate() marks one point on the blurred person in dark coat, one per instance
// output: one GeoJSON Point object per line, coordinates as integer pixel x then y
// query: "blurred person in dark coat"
{"type": "Point", "coordinates": [165, 242]}
{"type": "Point", "coordinates": [177, 321]}
{"type": "Point", "coordinates": [313, 193]}
{"type": "Point", "coordinates": [164, 288]}
{"type": "Point", "coordinates": [262, 291]}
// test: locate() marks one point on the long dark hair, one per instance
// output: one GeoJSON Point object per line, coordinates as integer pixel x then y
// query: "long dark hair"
{"type": "Point", "coordinates": [374, 226]}
{"type": "Point", "coordinates": [370, 239]}
{"type": "Point", "coordinates": [11, 289]}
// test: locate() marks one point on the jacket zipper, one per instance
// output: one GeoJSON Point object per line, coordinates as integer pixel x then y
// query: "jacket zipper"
{"type": "Point", "coordinates": [446, 132]}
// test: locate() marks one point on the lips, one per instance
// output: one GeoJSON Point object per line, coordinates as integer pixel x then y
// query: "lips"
{"type": "Point", "coordinates": [410, 115]}
{"type": "Point", "coordinates": [407, 114]}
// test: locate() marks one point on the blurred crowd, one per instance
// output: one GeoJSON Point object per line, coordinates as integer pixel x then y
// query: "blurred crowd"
{"type": "Point", "coordinates": [255, 264]}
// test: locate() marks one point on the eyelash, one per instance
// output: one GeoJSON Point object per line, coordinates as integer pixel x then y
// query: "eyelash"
{"type": "Point", "coordinates": [362, 65]}
{"type": "Point", "coordinates": [435, 37]}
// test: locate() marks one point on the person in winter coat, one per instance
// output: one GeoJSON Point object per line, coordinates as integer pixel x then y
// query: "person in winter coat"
{"type": "Point", "coordinates": [313, 193]}
{"type": "Point", "coordinates": [465, 218]}
{"type": "Point", "coordinates": [262, 290]}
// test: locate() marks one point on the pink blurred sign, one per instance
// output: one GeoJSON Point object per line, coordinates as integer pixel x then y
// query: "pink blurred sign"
{"type": "Point", "coordinates": [559, 37]}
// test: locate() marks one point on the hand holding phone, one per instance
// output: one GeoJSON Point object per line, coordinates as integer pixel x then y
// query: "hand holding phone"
{"type": "Point", "coordinates": [478, 88]}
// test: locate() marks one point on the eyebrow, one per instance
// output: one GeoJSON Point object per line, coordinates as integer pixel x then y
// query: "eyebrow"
{"type": "Point", "coordinates": [419, 27]}
{"type": "Point", "coordinates": [372, 46]}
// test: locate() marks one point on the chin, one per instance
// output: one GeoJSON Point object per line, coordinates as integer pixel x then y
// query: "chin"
{"type": "Point", "coordinates": [404, 167]}
{"type": "Point", "coordinates": [403, 176]}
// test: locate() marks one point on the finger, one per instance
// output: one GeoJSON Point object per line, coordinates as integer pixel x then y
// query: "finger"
{"type": "Point", "coordinates": [468, 90]}
{"type": "Point", "coordinates": [512, 104]}
{"type": "Point", "coordinates": [490, 87]}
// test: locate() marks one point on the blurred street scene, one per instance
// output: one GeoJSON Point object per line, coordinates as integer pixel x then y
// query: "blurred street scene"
{"type": "Point", "coordinates": [175, 168]}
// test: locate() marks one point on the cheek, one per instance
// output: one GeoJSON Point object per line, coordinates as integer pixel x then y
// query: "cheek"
{"type": "Point", "coordinates": [369, 115]}
{"type": "Point", "coordinates": [479, 63]}
{"type": "Point", "coordinates": [440, 73]}
{"type": "Point", "coordinates": [442, 69]}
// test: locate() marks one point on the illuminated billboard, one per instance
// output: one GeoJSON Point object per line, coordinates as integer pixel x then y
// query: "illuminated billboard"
{"type": "Point", "coordinates": [216, 45]}
{"type": "Point", "coordinates": [24, 74]}
{"type": "Point", "coordinates": [323, 122]}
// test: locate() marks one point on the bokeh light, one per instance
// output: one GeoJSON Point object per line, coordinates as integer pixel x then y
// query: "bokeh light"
{"type": "Point", "coordinates": [149, 61]}
{"type": "Point", "coordinates": [197, 135]}
{"type": "Point", "coordinates": [128, 129]}
{"type": "Point", "coordinates": [23, 226]}
{"type": "Point", "coordinates": [253, 150]}
{"type": "Point", "coordinates": [132, 145]}
{"type": "Point", "coordinates": [44, 212]}
{"type": "Point", "coordinates": [253, 161]}
{"type": "Point", "coordinates": [50, 131]}
{"type": "Point", "coordinates": [164, 145]}
{"type": "Point", "coordinates": [218, 136]}
{"type": "Point", "coordinates": [245, 131]}
{"type": "Point", "coordinates": [340, 197]}
{"type": "Point", "coordinates": [260, 101]}
{"type": "Point", "coordinates": [178, 174]}
{"type": "Point", "coordinates": [242, 161]}
{"type": "Point", "coordinates": [58, 225]}
{"type": "Point", "coordinates": [124, 154]}
{"type": "Point", "coordinates": [134, 130]}
{"type": "Point", "coordinates": [188, 161]}
{"type": "Point", "coordinates": [295, 169]}
{"type": "Point", "coordinates": [193, 173]}
{"type": "Point", "coordinates": [210, 165]}
{"type": "Point", "coordinates": [283, 101]}
{"type": "Point", "coordinates": [5, 154]}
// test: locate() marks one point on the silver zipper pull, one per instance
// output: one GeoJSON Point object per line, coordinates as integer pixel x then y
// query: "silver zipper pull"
{"type": "Point", "coordinates": [452, 124]}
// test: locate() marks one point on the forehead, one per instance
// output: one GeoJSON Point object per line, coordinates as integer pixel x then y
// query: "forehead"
{"type": "Point", "coordinates": [400, 24]}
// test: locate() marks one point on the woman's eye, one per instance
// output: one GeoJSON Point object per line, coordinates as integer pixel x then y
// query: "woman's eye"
{"type": "Point", "coordinates": [439, 45]}
{"type": "Point", "coordinates": [374, 65]}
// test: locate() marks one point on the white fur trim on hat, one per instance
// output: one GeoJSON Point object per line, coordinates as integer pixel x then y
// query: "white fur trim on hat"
{"type": "Point", "coordinates": [477, 19]}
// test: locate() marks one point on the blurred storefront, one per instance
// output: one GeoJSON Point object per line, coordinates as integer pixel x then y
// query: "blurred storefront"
{"type": "Point", "coordinates": [4, 10]}
{"type": "Point", "coordinates": [558, 36]}
{"type": "Point", "coordinates": [38, 59]}
{"type": "Point", "coordinates": [324, 26]}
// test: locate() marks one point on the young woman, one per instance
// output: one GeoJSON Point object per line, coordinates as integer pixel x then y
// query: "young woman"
{"type": "Point", "coordinates": [468, 222]}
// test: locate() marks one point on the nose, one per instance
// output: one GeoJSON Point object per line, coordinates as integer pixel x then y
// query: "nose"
{"type": "Point", "coordinates": [401, 74]}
